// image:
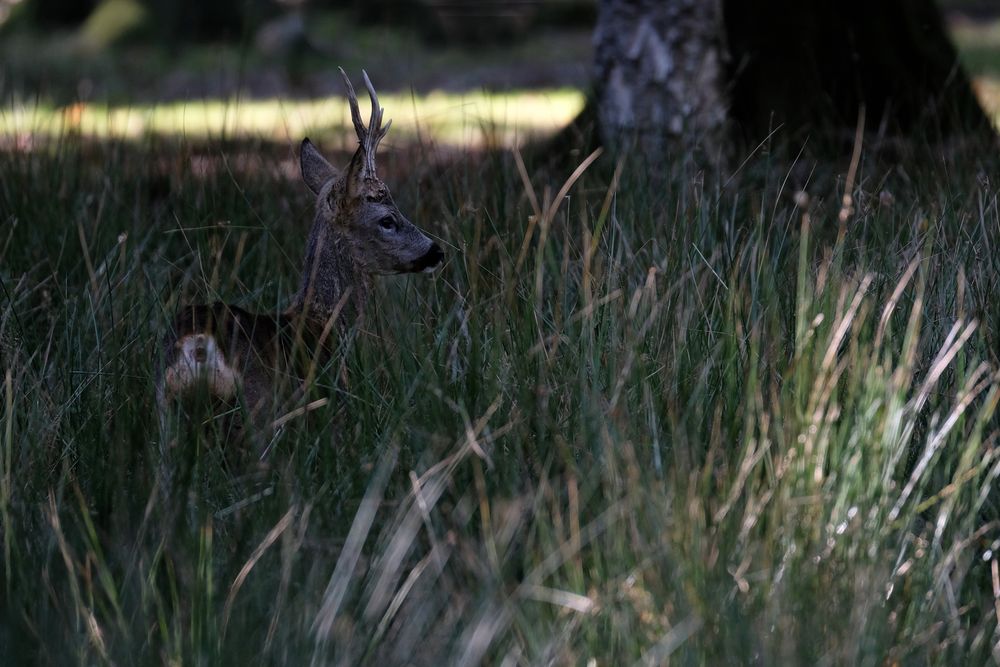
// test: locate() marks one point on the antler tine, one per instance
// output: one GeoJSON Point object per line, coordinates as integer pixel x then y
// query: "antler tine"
{"type": "Point", "coordinates": [376, 120]}
{"type": "Point", "coordinates": [375, 126]}
{"type": "Point", "coordinates": [352, 98]}
{"type": "Point", "coordinates": [376, 123]}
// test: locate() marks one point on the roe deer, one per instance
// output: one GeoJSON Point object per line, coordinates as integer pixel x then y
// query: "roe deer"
{"type": "Point", "coordinates": [358, 232]}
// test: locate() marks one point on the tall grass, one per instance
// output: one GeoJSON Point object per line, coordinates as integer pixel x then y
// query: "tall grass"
{"type": "Point", "coordinates": [646, 421]}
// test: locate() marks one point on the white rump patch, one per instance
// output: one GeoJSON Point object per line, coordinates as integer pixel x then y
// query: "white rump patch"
{"type": "Point", "coordinates": [199, 359]}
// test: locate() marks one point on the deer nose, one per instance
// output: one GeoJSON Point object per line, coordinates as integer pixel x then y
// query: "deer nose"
{"type": "Point", "coordinates": [430, 259]}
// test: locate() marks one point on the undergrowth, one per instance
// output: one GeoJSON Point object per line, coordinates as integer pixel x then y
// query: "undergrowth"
{"type": "Point", "coordinates": [642, 418]}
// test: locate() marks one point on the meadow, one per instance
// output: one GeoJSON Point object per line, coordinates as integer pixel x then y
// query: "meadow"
{"type": "Point", "coordinates": [639, 417]}
{"type": "Point", "coordinates": [636, 417]}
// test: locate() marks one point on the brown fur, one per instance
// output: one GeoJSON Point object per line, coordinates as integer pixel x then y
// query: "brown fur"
{"type": "Point", "coordinates": [358, 232]}
{"type": "Point", "coordinates": [260, 350]}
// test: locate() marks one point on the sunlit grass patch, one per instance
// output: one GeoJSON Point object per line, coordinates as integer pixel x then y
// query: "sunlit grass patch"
{"type": "Point", "coordinates": [978, 44]}
{"type": "Point", "coordinates": [460, 119]}
{"type": "Point", "coordinates": [988, 91]}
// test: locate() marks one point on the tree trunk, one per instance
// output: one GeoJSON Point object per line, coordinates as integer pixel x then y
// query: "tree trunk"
{"type": "Point", "coordinates": [808, 67]}
{"type": "Point", "coordinates": [659, 76]}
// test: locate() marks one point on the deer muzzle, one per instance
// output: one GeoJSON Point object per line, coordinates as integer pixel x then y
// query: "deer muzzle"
{"type": "Point", "coordinates": [430, 260]}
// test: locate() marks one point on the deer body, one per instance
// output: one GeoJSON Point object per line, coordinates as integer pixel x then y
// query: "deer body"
{"type": "Point", "coordinates": [358, 233]}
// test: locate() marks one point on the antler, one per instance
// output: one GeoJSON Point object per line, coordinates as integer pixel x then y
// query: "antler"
{"type": "Point", "coordinates": [369, 137]}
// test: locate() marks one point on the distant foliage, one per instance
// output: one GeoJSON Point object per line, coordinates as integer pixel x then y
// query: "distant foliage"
{"type": "Point", "coordinates": [220, 19]}
{"type": "Point", "coordinates": [48, 13]}
{"type": "Point", "coordinates": [174, 20]}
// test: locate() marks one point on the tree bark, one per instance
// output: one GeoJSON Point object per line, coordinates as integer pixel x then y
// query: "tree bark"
{"type": "Point", "coordinates": [693, 75]}
{"type": "Point", "coordinates": [659, 76]}
{"type": "Point", "coordinates": [812, 65]}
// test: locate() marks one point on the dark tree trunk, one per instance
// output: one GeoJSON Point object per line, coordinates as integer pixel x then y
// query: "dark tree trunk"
{"type": "Point", "coordinates": [674, 72]}
{"type": "Point", "coordinates": [810, 65]}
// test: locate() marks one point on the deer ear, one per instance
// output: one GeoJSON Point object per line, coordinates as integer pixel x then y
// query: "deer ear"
{"type": "Point", "coordinates": [316, 171]}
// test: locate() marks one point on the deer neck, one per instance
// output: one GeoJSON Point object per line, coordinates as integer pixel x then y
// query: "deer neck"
{"type": "Point", "coordinates": [332, 281]}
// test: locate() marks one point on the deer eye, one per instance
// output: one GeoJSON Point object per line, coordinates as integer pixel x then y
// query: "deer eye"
{"type": "Point", "coordinates": [387, 223]}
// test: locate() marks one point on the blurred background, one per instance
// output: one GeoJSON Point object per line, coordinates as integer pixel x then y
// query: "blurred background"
{"type": "Point", "coordinates": [268, 69]}
{"type": "Point", "coordinates": [460, 72]}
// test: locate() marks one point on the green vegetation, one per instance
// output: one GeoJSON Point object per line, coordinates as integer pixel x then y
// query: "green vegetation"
{"type": "Point", "coordinates": [653, 420]}
{"type": "Point", "coordinates": [979, 49]}
{"type": "Point", "coordinates": [656, 420]}
{"type": "Point", "coordinates": [979, 46]}
{"type": "Point", "coordinates": [64, 67]}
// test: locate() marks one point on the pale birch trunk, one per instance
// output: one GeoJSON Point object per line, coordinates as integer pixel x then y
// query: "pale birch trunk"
{"type": "Point", "coordinates": [660, 80]}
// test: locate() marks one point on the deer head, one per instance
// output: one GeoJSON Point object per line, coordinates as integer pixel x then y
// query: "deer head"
{"type": "Point", "coordinates": [354, 208]}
